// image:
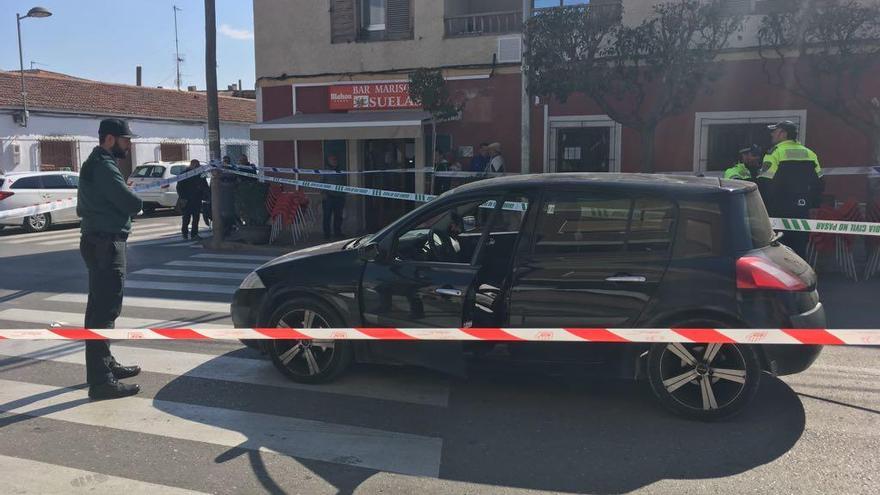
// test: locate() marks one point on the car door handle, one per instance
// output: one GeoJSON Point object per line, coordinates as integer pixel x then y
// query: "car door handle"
{"type": "Point", "coordinates": [626, 278]}
{"type": "Point", "coordinates": [447, 291]}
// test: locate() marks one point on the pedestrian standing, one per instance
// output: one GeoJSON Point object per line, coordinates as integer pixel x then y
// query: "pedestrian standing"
{"type": "Point", "coordinates": [481, 160]}
{"type": "Point", "coordinates": [496, 163]}
{"type": "Point", "coordinates": [749, 165]}
{"type": "Point", "coordinates": [441, 164]}
{"type": "Point", "coordinates": [105, 205]}
{"type": "Point", "coordinates": [190, 193]}
{"type": "Point", "coordinates": [333, 203]}
{"type": "Point", "coordinates": [790, 181]}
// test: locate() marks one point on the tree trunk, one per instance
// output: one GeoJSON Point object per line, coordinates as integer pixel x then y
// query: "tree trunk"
{"type": "Point", "coordinates": [648, 134]}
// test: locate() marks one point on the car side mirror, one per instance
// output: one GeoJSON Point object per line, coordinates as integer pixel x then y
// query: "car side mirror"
{"type": "Point", "coordinates": [370, 252]}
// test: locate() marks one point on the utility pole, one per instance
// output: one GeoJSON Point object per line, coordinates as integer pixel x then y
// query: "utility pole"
{"type": "Point", "coordinates": [177, 58]}
{"type": "Point", "coordinates": [526, 131]}
{"type": "Point", "coordinates": [213, 120]}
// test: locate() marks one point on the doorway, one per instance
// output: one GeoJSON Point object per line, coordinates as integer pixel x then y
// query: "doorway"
{"type": "Point", "coordinates": [587, 143]}
{"type": "Point", "coordinates": [382, 154]}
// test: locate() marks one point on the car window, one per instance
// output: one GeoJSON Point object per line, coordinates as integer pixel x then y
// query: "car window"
{"type": "Point", "coordinates": [759, 222]}
{"type": "Point", "coordinates": [583, 223]}
{"type": "Point", "coordinates": [448, 235]}
{"type": "Point", "coordinates": [580, 223]}
{"type": "Point", "coordinates": [178, 169]}
{"type": "Point", "coordinates": [55, 181]}
{"type": "Point", "coordinates": [143, 171]}
{"type": "Point", "coordinates": [32, 182]}
{"type": "Point", "coordinates": [72, 181]}
{"type": "Point", "coordinates": [157, 172]}
{"type": "Point", "coordinates": [699, 230]}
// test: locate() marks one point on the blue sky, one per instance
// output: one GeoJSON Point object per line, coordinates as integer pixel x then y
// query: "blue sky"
{"type": "Point", "coordinates": [105, 39]}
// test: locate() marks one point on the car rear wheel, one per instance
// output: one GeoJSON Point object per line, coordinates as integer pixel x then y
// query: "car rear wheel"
{"type": "Point", "coordinates": [704, 381]}
{"type": "Point", "coordinates": [308, 361]}
{"type": "Point", "coordinates": [37, 223]}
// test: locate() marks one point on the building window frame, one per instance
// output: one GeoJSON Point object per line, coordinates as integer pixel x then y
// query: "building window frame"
{"type": "Point", "coordinates": [366, 8]}
{"type": "Point", "coordinates": [703, 120]}
{"type": "Point", "coordinates": [552, 124]}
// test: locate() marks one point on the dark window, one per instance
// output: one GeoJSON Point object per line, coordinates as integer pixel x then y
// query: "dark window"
{"type": "Point", "coordinates": [32, 182]}
{"type": "Point", "coordinates": [759, 222]}
{"type": "Point", "coordinates": [725, 141]}
{"type": "Point", "coordinates": [171, 152]}
{"type": "Point", "coordinates": [370, 20]}
{"type": "Point", "coordinates": [72, 181]}
{"type": "Point", "coordinates": [157, 172]}
{"type": "Point", "coordinates": [55, 182]}
{"type": "Point", "coordinates": [699, 230]}
{"type": "Point", "coordinates": [584, 223]}
{"type": "Point", "coordinates": [178, 169]}
{"type": "Point", "coordinates": [142, 172]}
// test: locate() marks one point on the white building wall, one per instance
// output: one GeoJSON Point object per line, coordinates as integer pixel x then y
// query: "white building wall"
{"type": "Point", "coordinates": [83, 131]}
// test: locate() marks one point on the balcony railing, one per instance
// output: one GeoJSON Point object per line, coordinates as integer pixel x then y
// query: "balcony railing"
{"type": "Point", "coordinates": [483, 24]}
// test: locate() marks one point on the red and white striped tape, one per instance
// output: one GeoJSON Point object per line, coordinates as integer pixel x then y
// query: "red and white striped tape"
{"type": "Point", "coordinates": [618, 335]}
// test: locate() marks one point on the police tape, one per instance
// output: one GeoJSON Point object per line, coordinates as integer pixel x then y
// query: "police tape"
{"type": "Point", "coordinates": [826, 226]}
{"type": "Point", "coordinates": [315, 171]}
{"type": "Point", "coordinates": [862, 337]}
{"type": "Point", "coordinates": [63, 204]}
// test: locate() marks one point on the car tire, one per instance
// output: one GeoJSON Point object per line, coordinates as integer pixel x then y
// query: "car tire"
{"type": "Point", "coordinates": [705, 382]}
{"type": "Point", "coordinates": [303, 361]}
{"type": "Point", "coordinates": [37, 223]}
{"type": "Point", "coordinates": [149, 209]}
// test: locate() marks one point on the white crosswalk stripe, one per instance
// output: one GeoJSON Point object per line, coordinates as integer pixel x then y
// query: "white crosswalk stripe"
{"type": "Point", "coordinates": [189, 274]}
{"type": "Point", "coordinates": [153, 302]}
{"type": "Point", "coordinates": [44, 318]}
{"type": "Point", "coordinates": [214, 264]}
{"type": "Point", "coordinates": [307, 439]}
{"type": "Point", "coordinates": [181, 287]}
{"type": "Point", "coordinates": [240, 257]}
{"type": "Point", "coordinates": [22, 476]}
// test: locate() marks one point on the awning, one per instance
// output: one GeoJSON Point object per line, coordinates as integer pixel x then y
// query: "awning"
{"type": "Point", "coordinates": [397, 124]}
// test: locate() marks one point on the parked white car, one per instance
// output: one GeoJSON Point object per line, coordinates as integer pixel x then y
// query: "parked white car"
{"type": "Point", "coordinates": [21, 189]}
{"type": "Point", "coordinates": [151, 172]}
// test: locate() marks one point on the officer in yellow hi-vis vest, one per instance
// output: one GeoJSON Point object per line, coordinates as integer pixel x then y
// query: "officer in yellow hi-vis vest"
{"type": "Point", "coordinates": [790, 181]}
{"type": "Point", "coordinates": [749, 165]}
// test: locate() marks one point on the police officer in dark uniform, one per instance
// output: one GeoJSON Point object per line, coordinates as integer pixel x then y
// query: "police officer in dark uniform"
{"type": "Point", "coordinates": [105, 205]}
{"type": "Point", "coordinates": [790, 181]}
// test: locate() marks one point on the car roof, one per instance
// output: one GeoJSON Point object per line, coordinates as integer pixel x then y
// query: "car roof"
{"type": "Point", "coordinates": [166, 164]}
{"type": "Point", "coordinates": [647, 183]}
{"type": "Point", "coordinates": [18, 175]}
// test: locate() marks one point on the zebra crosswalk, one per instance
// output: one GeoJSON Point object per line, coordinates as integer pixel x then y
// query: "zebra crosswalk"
{"type": "Point", "coordinates": [154, 232]}
{"type": "Point", "coordinates": [196, 397]}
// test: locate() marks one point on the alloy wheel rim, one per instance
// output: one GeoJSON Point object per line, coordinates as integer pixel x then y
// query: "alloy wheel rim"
{"type": "Point", "coordinates": [703, 377]}
{"type": "Point", "coordinates": [37, 222]}
{"type": "Point", "coordinates": [304, 357]}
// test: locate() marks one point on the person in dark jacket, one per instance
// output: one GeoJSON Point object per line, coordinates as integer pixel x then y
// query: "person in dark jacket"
{"type": "Point", "coordinates": [105, 205]}
{"type": "Point", "coordinates": [334, 201]}
{"type": "Point", "coordinates": [190, 193]}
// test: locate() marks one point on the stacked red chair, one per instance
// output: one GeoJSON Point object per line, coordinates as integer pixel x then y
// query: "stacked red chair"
{"type": "Point", "coordinates": [288, 210]}
{"type": "Point", "coordinates": [839, 244]}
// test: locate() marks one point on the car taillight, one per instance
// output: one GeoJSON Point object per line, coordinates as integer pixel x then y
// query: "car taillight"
{"type": "Point", "coordinates": [129, 183]}
{"type": "Point", "coordinates": [756, 273]}
{"type": "Point", "coordinates": [5, 194]}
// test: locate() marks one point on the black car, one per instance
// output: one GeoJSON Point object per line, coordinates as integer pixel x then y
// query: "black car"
{"type": "Point", "coordinates": [549, 251]}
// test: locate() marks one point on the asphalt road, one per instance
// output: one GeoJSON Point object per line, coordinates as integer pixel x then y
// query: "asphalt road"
{"type": "Point", "coordinates": [215, 417]}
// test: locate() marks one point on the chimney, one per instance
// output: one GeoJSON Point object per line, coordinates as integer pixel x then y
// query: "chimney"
{"type": "Point", "coordinates": [239, 84]}
{"type": "Point", "coordinates": [138, 75]}
{"type": "Point", "coordinates": [192, 88]}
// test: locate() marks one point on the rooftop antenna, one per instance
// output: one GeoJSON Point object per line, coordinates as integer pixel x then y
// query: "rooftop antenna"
{"type": "Point", "coordinates": [177, 58]}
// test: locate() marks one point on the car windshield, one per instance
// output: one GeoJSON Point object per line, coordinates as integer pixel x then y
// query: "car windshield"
{"type": "Point", "coordinates": [141, 172]}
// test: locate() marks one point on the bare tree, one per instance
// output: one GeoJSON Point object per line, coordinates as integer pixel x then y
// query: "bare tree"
{"type": "Point", "coordinates": [428, 88]}
{"type": "Point", "coordinates": [638, 75]}
{"type": "Point", "coordinates": [822, 52]}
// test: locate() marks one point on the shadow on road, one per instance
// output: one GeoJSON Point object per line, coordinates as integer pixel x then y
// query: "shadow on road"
{"type": "Point", "coordinates": [534, 431]}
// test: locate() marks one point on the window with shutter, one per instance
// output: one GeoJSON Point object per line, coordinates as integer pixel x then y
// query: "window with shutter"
{"type": "Point", "coordinates": [343, 21]}
{"type": "Point", "coordinates": [398, 20]}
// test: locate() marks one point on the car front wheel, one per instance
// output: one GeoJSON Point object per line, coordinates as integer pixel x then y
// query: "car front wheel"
{"type": "Point", "coordinates": [704, 381]}
{"type": "Point", "coordinates": [37, 223]}
{"type": "Point", "coordinates": [308, 361]}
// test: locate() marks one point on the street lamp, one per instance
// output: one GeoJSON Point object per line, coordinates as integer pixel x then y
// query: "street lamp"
{"type": "Point", "coordinates": [36, 12]}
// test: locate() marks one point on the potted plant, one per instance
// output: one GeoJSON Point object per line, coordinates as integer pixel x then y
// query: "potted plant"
{"type": "Point", "coordinates": [250, 206]}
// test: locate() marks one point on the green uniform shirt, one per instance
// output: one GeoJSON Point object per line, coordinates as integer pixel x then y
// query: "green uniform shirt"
{"type": "Point", "coordinates": [103, 201]}
{"type": "Point", "coordinates": [788, 151]}
{"type": "Point", "coordinates": [739, 171]}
